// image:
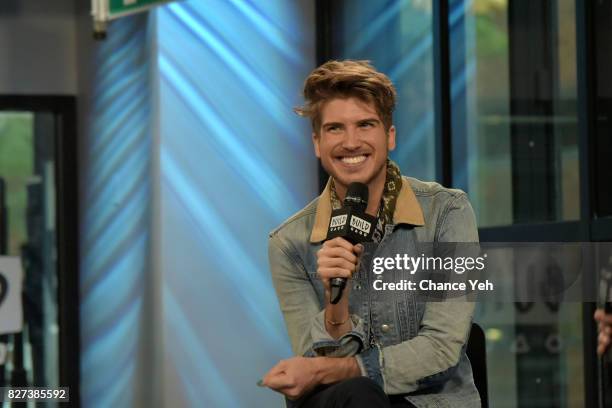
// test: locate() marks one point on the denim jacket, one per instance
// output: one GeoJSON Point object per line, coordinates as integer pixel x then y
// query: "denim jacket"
{"type": "Point", "coordinates": [409, 347]}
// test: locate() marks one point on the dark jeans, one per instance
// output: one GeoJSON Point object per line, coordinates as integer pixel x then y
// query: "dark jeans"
{"type": "Point", "coordinates": [358, 392]}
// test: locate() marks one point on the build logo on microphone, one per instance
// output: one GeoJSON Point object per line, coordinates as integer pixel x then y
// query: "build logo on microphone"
{"type": "Point", "coordinates": [337, 222]}
{"type": "Point", "coordinates": [360, 226]}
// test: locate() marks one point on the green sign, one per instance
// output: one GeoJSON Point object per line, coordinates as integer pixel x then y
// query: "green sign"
{"type": "Point", "coordinates": [120, 7]}
{"type": "Point", "coordinates": [104, 10]}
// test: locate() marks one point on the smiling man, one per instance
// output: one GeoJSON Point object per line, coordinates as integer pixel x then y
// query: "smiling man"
{"type": "Point", "coordinates": [372, 348]}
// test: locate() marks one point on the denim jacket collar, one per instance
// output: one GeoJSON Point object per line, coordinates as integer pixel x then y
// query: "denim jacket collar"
{"type": "Point", "coordinates": [407, 211]}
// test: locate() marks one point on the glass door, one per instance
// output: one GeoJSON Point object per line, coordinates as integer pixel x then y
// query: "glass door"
{"type": "Point", "coordinates": [38, 250]}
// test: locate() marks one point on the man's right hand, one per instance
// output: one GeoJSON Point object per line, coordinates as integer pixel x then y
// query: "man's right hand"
{"type": "Point", "coordinates": [337, 258]}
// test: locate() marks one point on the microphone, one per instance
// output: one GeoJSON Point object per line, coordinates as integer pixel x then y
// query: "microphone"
{"type": "Point", "coordinates": [353, 224]}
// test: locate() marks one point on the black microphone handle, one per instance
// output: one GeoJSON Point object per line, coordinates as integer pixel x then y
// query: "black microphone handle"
{"type": "Point", "coordinates": [337, 286]}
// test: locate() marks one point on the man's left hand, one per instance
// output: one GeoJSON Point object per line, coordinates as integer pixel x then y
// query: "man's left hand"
{"type": "Point", "coordinates": [293, 377]}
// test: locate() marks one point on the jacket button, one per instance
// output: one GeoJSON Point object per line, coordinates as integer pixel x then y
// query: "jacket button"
{"type": "Point", "coordinates": [384, 328]}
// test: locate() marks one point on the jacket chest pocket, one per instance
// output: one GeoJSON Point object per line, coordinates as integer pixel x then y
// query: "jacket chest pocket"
{"type": "Point", "coordinates": [410, 314]}
{"type": "Point", "coordinates": [396, 311]}
{"type": "Point", "coordinates": [395, 319]}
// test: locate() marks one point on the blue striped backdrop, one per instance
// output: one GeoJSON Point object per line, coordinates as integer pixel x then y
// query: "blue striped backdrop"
{"type": "Point", "coordinates": [235, 162]}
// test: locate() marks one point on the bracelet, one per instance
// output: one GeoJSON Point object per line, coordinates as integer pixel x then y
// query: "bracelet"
{"type": "Point", "coordinates": [337, 323]}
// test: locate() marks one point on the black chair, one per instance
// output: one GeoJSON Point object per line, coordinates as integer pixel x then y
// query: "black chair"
{"type": "Point", "coordinates": [477, 353]}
